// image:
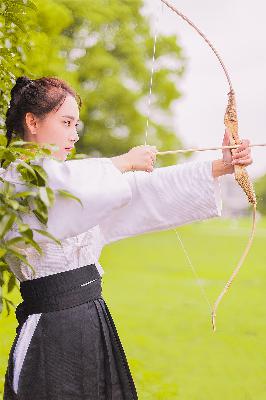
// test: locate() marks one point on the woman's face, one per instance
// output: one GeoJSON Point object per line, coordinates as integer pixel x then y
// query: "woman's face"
{"type": "Point", "coordinates": [57, 127]}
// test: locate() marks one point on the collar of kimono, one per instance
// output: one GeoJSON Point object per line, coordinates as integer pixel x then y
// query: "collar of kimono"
{"type": "Point", "coordinates": [240, 173]}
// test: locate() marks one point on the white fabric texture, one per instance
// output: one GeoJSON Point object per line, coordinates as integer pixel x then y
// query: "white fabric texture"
{"type": "Point", "coordinates": [115, 206]}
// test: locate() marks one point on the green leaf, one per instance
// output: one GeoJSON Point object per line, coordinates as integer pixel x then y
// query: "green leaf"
{"type": "Point", "coordinates": [7, 307]}
{"type": "Point", "coordinates": [26, 3]}
{"type": "Point", "coordinates": [6, 163]}
{"type": "Point", "coordinates": [41, 210]}
{"type": "Point", "coordinates": [65, 193]}
{"type": "Point", "coordinates": [24, 209]}
{"type": "Point", "coordinates": [14, 240]}
{"type": "Point", "coordinates": [47, 196]}
{"type": "Point", "coordinates": [3, 139]}
{"type": "Point", "coordinates": [41, 216]}
{"type": "Point", "coordinates": [25, 230]}
{"type": "Point", "coordinates": [46, 151]}
{"type": "Point", "coordinates": [21, 258]}
{"type": "Point", "coordinates": [25, 175]}
{"type": "Point", "coordinates": [49, 235]}
{"type": "Point", "coordinates": [10, 17]}
{"type": "Point", "coordinates": [11, 283]}
{"type": "Point", "coordinates": [51, 195]}
{"type": "Point", "coordinates": [6, 223]}
{"type": "Point", "coordinates": [2, 251]}
{"type": "Point", "coordinates": [23, 165]}
{"type": "Point", "coordinates": [25, 194]}
{"type": "Point", "coordinates": [3, 265]}
{"type": "Point", "coordinates": [4, 52]}
{"type": "Point", "coordinates": [78, 156]}
{"type": "Point", "coordinates": [8, 155]}
{"type": "Point", "coordinates": [44, 196]}
{"type": "Point", "coordinates": [8, 304]}
{"type": "Point", "coordinates": [22, 143]}
{"type": "Point", "coordinates": [27, 238]}
{"type": "Point", "coordinates": [13, 204]}
{"type": "Point", "coordinates": [35, 245]}
{"type": "Point", "coordinates": [23, 227]}
{"type": "Point", "coordinates": [40, 172]}
{"type": "Point", "coordinates": [8, 188]}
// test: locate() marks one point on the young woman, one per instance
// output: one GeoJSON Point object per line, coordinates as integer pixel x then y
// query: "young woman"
{"type": "Point", "coordinates": [67, 346]}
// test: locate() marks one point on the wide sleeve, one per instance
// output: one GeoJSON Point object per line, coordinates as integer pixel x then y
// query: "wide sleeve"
{"type": "Point", "coordinates": [99, 185]}
{"type": "Point", "coordinates": [165, 198]}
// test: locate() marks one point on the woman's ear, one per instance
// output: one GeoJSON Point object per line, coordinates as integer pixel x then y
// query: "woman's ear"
{"type": "Point", "coordinates": [31, 123]}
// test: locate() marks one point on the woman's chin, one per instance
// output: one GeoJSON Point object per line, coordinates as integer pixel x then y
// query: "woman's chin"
{"type": "Point", "coordinates": [62, 155]}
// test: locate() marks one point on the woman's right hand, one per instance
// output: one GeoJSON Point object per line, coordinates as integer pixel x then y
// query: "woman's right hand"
{"type": "Point", "coordinates": [141, 158]}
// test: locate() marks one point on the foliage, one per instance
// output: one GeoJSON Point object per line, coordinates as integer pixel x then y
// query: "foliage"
{"type": "Point", "coordinates": [112, 57]}
{"type": "Point", "coordinates": [16, 20]}
{"type": "Point", "coordinates": [35, 200]}
{"type": "Point", "coordinates": [260, 189]}
{"type": "Point", "coordinates": [104, 50]}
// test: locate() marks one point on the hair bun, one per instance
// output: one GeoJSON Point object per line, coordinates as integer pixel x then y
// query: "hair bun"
{"type": "Point", "coordinates": [22, 81]}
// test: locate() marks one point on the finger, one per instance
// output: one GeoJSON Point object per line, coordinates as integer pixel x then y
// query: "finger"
{"type": "Point", "coordinates": [149, 169]}
{"type": "Point", "coordinates": [245, 160]}
{"type": "Point", "coordinates": [150, 157]}
{"type": "Point", "coordinates": [152, 161]}
{"type": "Point", "coordinates": [242, 158]}
{"type": "Point", "coordinates": [149, 150]}
{"type": "Point", "coordinates": [153, 157]}
{"type": "Point", "coordinates": [153, 149]}
{"type": "Point", "coordinates": [226, 139]}
{"type": "Point", "coordinates": [149, 161]}
{"type": "Point", "coordinates": [241, 154]}
{"type": "Point", "coordinates": [244, 144]}
{"type": "Point", "coordinates": [244, 163]}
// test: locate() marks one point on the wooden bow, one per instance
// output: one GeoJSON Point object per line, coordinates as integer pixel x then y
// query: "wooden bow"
{"type": "Point", "coordinates": [241, 175]}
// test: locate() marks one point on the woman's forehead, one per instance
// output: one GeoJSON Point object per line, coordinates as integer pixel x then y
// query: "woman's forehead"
{"type": "Point", "coordinates": [69, 108]}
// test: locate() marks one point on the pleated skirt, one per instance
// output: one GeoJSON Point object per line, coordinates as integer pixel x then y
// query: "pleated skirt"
{"type": "Point", "coordinates": [74, 354]}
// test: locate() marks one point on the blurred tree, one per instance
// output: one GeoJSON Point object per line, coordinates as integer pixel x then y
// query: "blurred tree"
{"type": "Point", "coordinates": [260, 189]}
{"type": "Point", "coordinates": [14, 46]}
{"type": "Point", "coordinates": [112, 56]}
{"type": "Point", "coordinates": [104, 49]}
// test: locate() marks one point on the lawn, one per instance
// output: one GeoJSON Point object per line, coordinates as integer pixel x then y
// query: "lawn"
{"type": "Point", "coordinates": [164, 320]}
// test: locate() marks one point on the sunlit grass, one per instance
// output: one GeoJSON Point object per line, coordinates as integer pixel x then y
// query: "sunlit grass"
{"type": "Point", "coordinates": [164, 320]}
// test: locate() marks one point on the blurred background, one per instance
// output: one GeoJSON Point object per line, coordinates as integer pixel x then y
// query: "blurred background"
{"type": "Point", "coordinates": [104, 49]}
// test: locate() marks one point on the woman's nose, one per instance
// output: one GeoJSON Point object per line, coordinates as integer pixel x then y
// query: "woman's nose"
{"type": "Point", "coordinates": [75, 137]}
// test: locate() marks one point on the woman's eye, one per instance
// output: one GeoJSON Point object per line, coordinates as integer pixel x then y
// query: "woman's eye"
{"type": "Point", "coordinates": [67, 122]}
{"type": "Point", "coordinates": [77, 125]}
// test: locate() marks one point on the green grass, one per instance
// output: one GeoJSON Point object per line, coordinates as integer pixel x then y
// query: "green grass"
{"type": "Point", "coordinates": [164, 320]}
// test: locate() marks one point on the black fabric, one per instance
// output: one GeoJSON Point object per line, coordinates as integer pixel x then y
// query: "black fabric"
{"type": "Point", "coordinates": [58, 291]}
{"type": "Point", "coordinates": [75, 352]}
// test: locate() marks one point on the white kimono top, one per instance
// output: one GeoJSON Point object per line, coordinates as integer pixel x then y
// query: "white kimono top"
{"type": "Point", "coordinates": [116, 205]}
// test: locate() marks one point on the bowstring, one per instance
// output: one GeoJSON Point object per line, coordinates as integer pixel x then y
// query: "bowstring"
{"type": "Point", "coordinates": [152, 75]}
{"type": "Point", "coordinates": [190, 263]}
{"type": "Point", "coordinates": [179, 240]}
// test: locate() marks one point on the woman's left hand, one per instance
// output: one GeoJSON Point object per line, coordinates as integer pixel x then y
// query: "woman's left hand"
{"type": "Point", "coordinates": [239, 156]}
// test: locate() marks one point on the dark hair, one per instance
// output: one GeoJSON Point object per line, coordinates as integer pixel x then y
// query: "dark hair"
{"type": "Point", "coordinates": [39, 96]}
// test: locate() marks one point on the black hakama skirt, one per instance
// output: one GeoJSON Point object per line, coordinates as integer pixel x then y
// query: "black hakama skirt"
{"type": "Point", "coordinates": [75, 352]}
